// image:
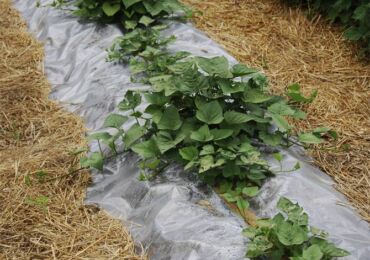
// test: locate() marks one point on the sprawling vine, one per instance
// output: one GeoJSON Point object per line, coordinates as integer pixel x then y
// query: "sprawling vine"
{"type": "Point", "coordinates": [203, 113]}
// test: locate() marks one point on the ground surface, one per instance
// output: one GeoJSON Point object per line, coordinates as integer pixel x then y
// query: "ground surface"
{"type": "Point", "coordinates": [42, 218]}
{"type": "Point", "coordinates": [290, 48]}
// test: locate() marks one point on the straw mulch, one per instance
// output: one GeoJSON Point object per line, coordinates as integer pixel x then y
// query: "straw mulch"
{"type": "Point", "coordinates": [42, 218]}
{"type": "Point", "coordinates": [290, 48]}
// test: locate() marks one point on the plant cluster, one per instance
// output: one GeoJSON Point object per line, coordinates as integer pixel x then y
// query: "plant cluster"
{"type": "Point", "coordinates": [129, 13]}
{"type": "Point", "coordinates": [201, 113]}
{"type": "Point", "coordinates": [354, 15]}
{"type": "Point", "coordinates": [288, 236]}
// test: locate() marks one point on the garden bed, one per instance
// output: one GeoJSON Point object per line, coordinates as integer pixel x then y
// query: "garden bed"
{"type": "Point", "coordinates": [174, 215]}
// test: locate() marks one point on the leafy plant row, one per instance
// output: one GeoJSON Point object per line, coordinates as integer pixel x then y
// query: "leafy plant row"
{"type": "Point", "coordinates": [354, 15]}
{"type": "Point", "coordinates": [212, 117]}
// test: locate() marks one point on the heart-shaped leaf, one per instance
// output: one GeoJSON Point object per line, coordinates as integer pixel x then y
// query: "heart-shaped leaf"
{"type": "Point", "coordinates": [210, 113]}
{"type": "Point", "coordinates": [170, 119]}
{"type": "Point", "coordinates": [115, 120]}
{"type": "Point", "coordinates": [189, 153]}
{"type": "Point", "coordinates": [111, 9]}
{"type": "Point", "coordinates": [203, 134]}
{"type": "Point", "coordinates": [218, 66]}
{"type": "Point", "coordinates": [133, 134]}
{"type": "Point", "coordinates": [96, 160]}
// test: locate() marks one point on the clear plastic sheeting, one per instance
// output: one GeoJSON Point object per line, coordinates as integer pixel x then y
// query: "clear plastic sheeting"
{"type": "Point", "coordinates": [175, 216]}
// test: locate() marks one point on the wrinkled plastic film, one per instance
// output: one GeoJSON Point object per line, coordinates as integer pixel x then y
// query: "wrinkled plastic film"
{"type": "Point", "coordinates": [175, 216]}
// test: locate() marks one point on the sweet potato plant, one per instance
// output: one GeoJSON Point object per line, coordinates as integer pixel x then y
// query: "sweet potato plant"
{"type": "Point", "coordinates": [212, 117]}
{"type": "Point", "coordinates": [128, 13]}
{"type": "Point", "coordinates": [289, 236]}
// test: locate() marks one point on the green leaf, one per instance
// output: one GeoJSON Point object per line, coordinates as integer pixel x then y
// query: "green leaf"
{"type": "Point", "coordinates": [189, 153]}
{"type": "Point", "coordinates": [280, 122]}
{"type": "Point", "coordinates": [137, 66]}
{"type": "Point", "coordinates": [217, 66]}
{"type": "Point", "coordinates": [111, 9]}
{"type": "Point", "coordinates": [163, 83]}
{"type": "Point", "coordinates": [155, 111]}
{"type": "Point", "coordinates": [309, 138]}
{"type": "Point", "coordinates": [170, 119]}
{"type": "Point", "coordinates": [273, 139]}
{"type": "Point", "coordinates": [312, 253]}
{"type": "Point", "coordinates": [297, 166]}
{"type": "Point", "coordinates": [229, 197]}
{"type": "Point", "coordinates": [130, 24]}
{"type": "Point", "coordinates": [256, 96]}
{"type": "Point", "coordinates": [299, 114]}
{"type": "Point", "coordinates": [133, 134]}
{"type": "Point", "coordinates": [165, 141]}
{"type": "Point", "coordinates": [240, 70]}
{"type": "Point", "coordinates": [150, 52]}
{"type": "Point", "coordinates": [329, 249]}
{"type": "Point", "coordinates": [251, 191]}
{"type": "Point", "coordinates": [242, 204]}
{"type": "Point", "coordinates": [230, 87]}
{"type": "Point", "coordinates": [281, 108]}
{"type": "Point", "coordinates": [259, 80]}
{"type": "Point", "coordinates": [131, 101]}
{"type": "Point", "coordinates": [258, 246]}
{"type": "Point", "coordinates": [230, 169]}
{"type": "Point", "coordinates": [154, 8]}
{"type": "Point", "coordinates": [147, 149]}
{"type": "Point", "coordinates": [202, 134]}
{"type": "Point", "coordinates": [129, 3]}
{"type": "Point", "coordinates": [99, 136]}
{"type": "Point", "coordinates": [285, 205]}
{"type": "Point", "coordinates": [295, 94]}
{"type": "Point", "coordinates": [278, 156]}
{"type": "Point", "coordinates": [96, 160]}
{"type": "Point", "coordinates": [182, 67]}
{"type": "Point", "coordinates": [210, 113]}
{"type": "Point", "coordinates": [250, 232]}
{"type": "Point", "coordinates": [115, 120]}
{"type": "Point", "coordinates": [157, 98]}
{"type": "Point", "coordinates": [206, 163]}
{"type": "Point", "coordinates": [111, 141]}
{"type": "Point", "coordinates": [234, 118]}
{"type": "Point", "coordinates": [295, 213]}
{"type": "Point", "coordinates": [219, 134]}
{"type": "Point", "coordinates": [325, 130]}
{"type": "Point", "coordinates": [291, 234]}
{"type": "Point", "coordinates": [146, 20]}
{"type": "Point", "coordinates": [207, 149]}
{"type": "Point", "coordinates": [319, 130]}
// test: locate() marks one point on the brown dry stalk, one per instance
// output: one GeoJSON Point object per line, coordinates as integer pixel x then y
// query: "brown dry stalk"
{"type": "Point", "coordinates": [37, 135]}
{"type": "Point", "coordinates": [290, 48]}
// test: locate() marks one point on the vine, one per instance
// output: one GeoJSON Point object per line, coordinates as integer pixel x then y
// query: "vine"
{"type": "Point", "coordinates": [202, 113]}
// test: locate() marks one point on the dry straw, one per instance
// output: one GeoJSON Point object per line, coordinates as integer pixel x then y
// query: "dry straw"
{"type": "Point", "coordinates": [290, 48]}
{"type": "Point", "coordinates": [35, 134]}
